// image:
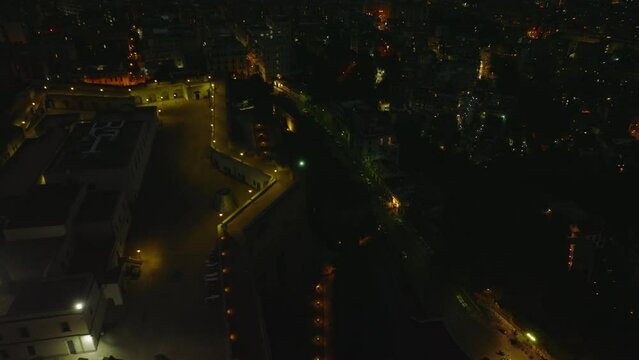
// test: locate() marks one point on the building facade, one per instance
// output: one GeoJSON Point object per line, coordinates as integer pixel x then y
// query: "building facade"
{"type": "Point", "coordinates": [70, 322]}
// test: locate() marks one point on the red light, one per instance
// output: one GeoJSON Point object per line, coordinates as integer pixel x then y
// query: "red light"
{"type": "Point", "coordinates": [381, 11]}
{"type": "Point", "coordinates": [51, 30]}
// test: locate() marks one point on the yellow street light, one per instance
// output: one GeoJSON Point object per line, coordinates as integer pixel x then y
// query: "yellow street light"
{"type": "Point", "coordinates": [531, 337]}
{"type": "Point", "coordinates": [138, 251]}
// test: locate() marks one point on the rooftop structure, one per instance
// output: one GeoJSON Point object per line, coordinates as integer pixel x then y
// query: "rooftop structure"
{"type": "Point", "coordinates": [74, 308]}
{"type": "Point", "coordinates": [24, 169]}
{"type": "Point", "coordinates": [61, 294]}
{"type": "Point", "coordinates": [43, 206]}
{"type": "Point", "coordinates": [107, 142]}
{"type": "Point", "coordinates": [109, 153]}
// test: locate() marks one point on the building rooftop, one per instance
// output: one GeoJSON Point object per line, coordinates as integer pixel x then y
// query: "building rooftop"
{"type": "Point", "coordinates": [61, 296]}
{"type": "Point", "coordinates": [98, 206]}
{"type": "Point", "coordinates": [105, 143]}
{"type": "Point", "coordinates": [29, 259]}
{"type": "Point", "coordinates": [93, 256]}
{"type": "Point", "coordinates": [24, 169]}
{"type": "Point", "coordinates": [46, 205]}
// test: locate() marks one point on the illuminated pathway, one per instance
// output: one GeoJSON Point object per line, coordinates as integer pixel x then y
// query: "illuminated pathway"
{"type": "Point", "coordinates": [247, 334]}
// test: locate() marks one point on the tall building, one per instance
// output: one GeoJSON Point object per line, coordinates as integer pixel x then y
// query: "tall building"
{"type": "Point", "coordinates": [270, 48]}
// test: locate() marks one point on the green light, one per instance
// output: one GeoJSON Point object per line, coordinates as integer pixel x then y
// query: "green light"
{"type": "Point", "coordinates": [301, 163]}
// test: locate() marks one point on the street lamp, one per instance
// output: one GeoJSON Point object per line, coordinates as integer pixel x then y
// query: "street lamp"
{"type": "Point", "coordinates": [78, 306]}
{"type": "Point", "coordinates": [301, 163]}
{"type": "Point", "coordinates": [531, 337]}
